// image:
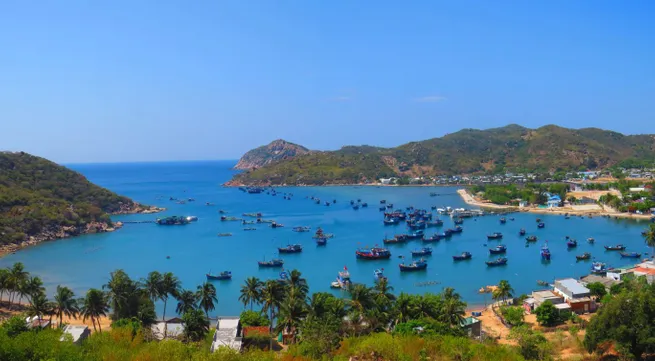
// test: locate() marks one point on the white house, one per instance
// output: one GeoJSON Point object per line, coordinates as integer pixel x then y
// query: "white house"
{"type": "Point", "coordinates": [78, 333]}
{"type": "Point", "coordinates": [227, 334]}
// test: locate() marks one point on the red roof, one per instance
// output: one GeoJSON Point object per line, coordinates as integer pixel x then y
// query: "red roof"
{"type": "Point", "coordinates": [650, 271]}
{"type": "Point", "coordinates": [263, 330]}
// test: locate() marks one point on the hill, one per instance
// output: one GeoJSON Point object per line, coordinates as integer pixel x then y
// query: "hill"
{"type": "Point", "coordinates": [40, 200]}
{"type": "Point", "coordinates": [468, 151]}
{"type": "Point", "coordinates": [277, 150]}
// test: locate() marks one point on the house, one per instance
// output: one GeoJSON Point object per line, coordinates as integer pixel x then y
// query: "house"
{"type": "Point", "coordinates": [227, 334]}
{"type": "Point", "coordinates": [174, 328]}
{"type": "Point", "coordinates": [553, 201]}
{"type": "Point", "coordinates": [605, 281]}
{"type": "Point", "coordinates": [78, 333]}
{"type": "Point", "coordinates": [385, 180]}
{"type": "Point", "coordinates": [472, 326]}
{"type": "Point", "coordinates": [523, 204]}
{"type": "Point", "coordinates": [645, 269]}
{"type": "Point", "coordinates": [539, 297]}
{"type": "Point", "coordinates": [34, 322]}
{"type": "Point", "coordinates": [575, 294]}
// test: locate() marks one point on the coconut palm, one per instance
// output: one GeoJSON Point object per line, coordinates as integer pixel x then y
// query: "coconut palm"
{"type": "Point", "coordinates": [404, 307]}
{"type": "Point", "coordinates": [206, 296]}
{"type": "Point", "coordinates": [649, 237]}
{"type": "Point", "coordinates": [382, 291]}
{"type": "Point", "coordinates": [251, 291]}
{"type": "Point", "coordinates": [452, 311]}
{"type": "Point", "coordinates": [428, 305]}
{"type": "Point", "coordinates": [33, 286]}
{"type": "Point", "coordinates": [319, 304]}
{"type": "Point", "coordinates": [292, 311]}
{"type": "Point", "coordinates": [272, 295]}
{"type": "Point", "coordinates": [4, 282]}
{"type": "Point", "coordinates": [503, 291]}
{"type": "Point", "coordinates": [39, 305]}
{"type": "Point", "coordinates": [196, 325]}
{"type": "Point", "coordinates": [152, 285]}
{"type": "Point", "coordinates": [94, 306]}
{"type": "Point", "coordinates": [298, 283]}
{"type": "Point", "coordinates": [122, 292]}
{"type": "Point", "coordinates": [65, 303]}
{"type": "Point", "coordinates": [16, 278]}
{"type": "Point", "coordinates": [186, 301]}
{"type": "Point", "coordinates": [170, 286]}
{"type": "Point", "coordinates": [361, 297]}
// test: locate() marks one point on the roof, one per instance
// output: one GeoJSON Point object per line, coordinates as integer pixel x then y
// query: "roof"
{"type": "Point", "coordinates": [529, 301]}
{"type": "Point", "coordinates": [648, 271]}
{"type": "Point", "coordinates": [607, 282]}
{"type": "Point", "coordinates": [75, 330]}
{"type": "Point", "coordinates": [227, 330]}
{"type": "Point", "coordinates": [562, 306]}
{"type": "Point", "coordinates": [546, 294]}
{"type": "Point", "coordinates": [173, 329]}
{"type": "Point", "coordinates": [468, 321]}
{"type": "Point", "coordinates": [572, 285]}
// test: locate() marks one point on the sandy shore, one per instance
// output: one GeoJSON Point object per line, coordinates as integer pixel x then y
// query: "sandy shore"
{"type": "Point", "coordinates": [5, 312]}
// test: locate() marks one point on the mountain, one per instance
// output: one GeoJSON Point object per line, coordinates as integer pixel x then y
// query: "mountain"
{"type": "Point", "coordinates": [277, 150]}
{"type": "Point", "coordinates": [40, 200]}
{"type": "Point", "coordinates": [468, 151]}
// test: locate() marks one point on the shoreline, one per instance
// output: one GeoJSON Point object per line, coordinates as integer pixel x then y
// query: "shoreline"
{"type": "Point", "coordinates": [602, 212]}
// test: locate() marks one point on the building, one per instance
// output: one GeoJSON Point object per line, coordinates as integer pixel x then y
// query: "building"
{"type": "Point", "coordinates": [34, 322]}
{"type": "Point", "coordinates": [227, 334]}
{"type": "Point", "coordinates": [605, 281]}
{"type": "Point", "coordinates": [174, 328]}
{"type": "Point", "coordinates": [645, 269]}
{"type": "Point", "coordinates": [554, 201]}
{"type": "Point", "coordinates": [78, 333]}
{"type": "Point", "coordinates": [472, 326]}
{"type": "Point", "coordinates": [575, 294]}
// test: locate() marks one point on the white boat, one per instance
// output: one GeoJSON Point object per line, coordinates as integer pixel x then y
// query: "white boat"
{"type": "Point", "coordinates": [191, 218]}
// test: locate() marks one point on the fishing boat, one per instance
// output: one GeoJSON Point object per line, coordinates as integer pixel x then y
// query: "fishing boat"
{"type": "Point", "coordinates": [321, 241]}
{"type": "Point", "coordinates": [383, 201]}
{"type": "Point", "coordinates": [382, 209]}
{"type": "Point", "coordinates": [511, 219]}
{"type": "Point", "coordinates": [222, 211]}
{"type": "Point", "coordinates": [244, 222]}
{"type": "Point", "coordinates": [327, 204]}
{"type": "Point", "coordinates": [542, 283]}
{"type": "Point", "coordinates": [225, 275]}
{"type": "Point", "coordinates": [499, 249]}
{"type": "Point", "coordinates": [433, 238]}
{"type": "Point", "coordinates": [378, 274]}
{"type": "Point", "coordinates": [591, 240]}
{"type": "Point", "coordinates": [250, 229]}
{"type": "Point", "coordinates": [522, 232]}
{"type": "Point", "coordinates": [545, 252]}
{"type": "Point", "coordinates": [226, 218]}
{"type": "Point", "coordinates": [618, 247]}
{"type": "Point", "coordinates": [572, 243]}
{"type": "Point", "coordinates": [457, 229]}
{"type": "Point", "coordinates": [225, 234]}
{"type": "Point", "coordinates": [425, 251]}
{"type": "Point", "coordinates": [584, 256]}
{"type": "Point", "coordinates": [419, 265]}
{"type": "Point", "coordinates": [356, 207]}
{"type": "Point", "coordinates": [364, 205]}
{"type": "Point", "coordinates": [320, 234]}
{"type": "Point", "coordinates": [433, 194]}
{"type": "Point", "coordinates": [538, 220]}
{"type": "Point", "coordinates": [292, 248]}
{"type": "Point", "coordinates": [598, 268]}
{"type": "Point", "coordinates": [531, 238]}
{"type": "Point", "coordinates": [495, 235]}
{"type": "Point", "coordinates": [192, 218]}
{"type": "Point", "coordinates": [373, 253]}
{"type": "Point", "coordinates": [630, 254]}
{"type": "Point", "coordinates": [172, 221]}
{"type": "Point", "coordinates": [400, 238]}
{"type": "Point", "coordinates": [435, 223]}
{"type": "Point", "coordinates": [415, 235]}
{"type": "Point", "coordinates": [458, 220]}
{"type": "Point", "coordinates": [391, 221]}
{"type": "Point", "coordinates": [253, 215]}
{"type": "Point", "coordinates": [463, 256]}
{"type": "Point", "coordinates": [415, 225]}
{"type": "Point", "coordinates": [301, 229]}
{"type": "Point", "coordinates": [275, 262]}
{"type": "Point", "coordinates": [276, 225]}
{"type": "Point", "coordinates": [497, 262]}
{"type": "Point", "coordinates": [541, 225]}
{"type": "Point", "coordinates": [503, 220]}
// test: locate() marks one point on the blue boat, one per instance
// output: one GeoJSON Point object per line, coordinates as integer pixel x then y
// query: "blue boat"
{"type": "Point", "coordinates": [225, 275]}
{"type": "Point", "coordinates": [415, 235]}
{"type": "Point", "coordinates": [498, 249]}
{"type": "Point", "coordinates": [463, 256]}
{"type": "Point", "coordinates": [572, 243]}
{"type": "Point", "coordinates": [630, 254]}
{"type": "Point", "coordinates": [433, 238]}
{"type": "Point", "coordinates": [503, 220]}
{"type": "Point", "coordinates": [497, 262]}
{"type": "Point", "coordinates": [541, 225]}
{"type": "Point", "coordinates": [321, 241]}
{"type": "Point", "coordinates": [419, 265]}
{"type": "Point", "coordinates": [378, 274]}
{"type": "Point", "coordinates": [545, 252]}
{"type": "Point", "coordinates": [425, 251]}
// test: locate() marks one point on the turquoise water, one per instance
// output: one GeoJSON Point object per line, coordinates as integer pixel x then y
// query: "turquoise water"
{"type": "Point", "coordinates": [194, 249]}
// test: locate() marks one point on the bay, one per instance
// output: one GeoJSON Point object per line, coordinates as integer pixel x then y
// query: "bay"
{"type": "Point", "coordinates": [195, 249]}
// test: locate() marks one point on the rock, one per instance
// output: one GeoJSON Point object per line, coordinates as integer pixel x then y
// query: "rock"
{"type": "Point", "coordinates": [276, 150]}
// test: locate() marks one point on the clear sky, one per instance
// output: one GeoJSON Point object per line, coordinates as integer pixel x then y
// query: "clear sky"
{"type": "Point", "coordinates": [139, 80]}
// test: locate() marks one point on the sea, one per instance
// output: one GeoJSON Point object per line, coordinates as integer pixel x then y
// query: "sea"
{"type": "Point", "coordinates": [191, 251]}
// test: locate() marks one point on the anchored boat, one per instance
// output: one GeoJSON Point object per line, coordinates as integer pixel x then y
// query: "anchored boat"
{"type": "Point", "coordinates": [292, 248]}
{"type": "Point", "coordinates": [275, 262]}
{"type": "Point", "coordinates": [618, 247]}
{"type": "Point", "coordinates": [495, 235]}
{"type": "Point", "coordinates": [497, 262]}
{"type": "Point", "coordinates": [373, 253]}
{"type": "Point", "coordinates": [225, 275]}
{"type": "Point", "coordinates": [419, 265]}
{"type": "Point", "coordinates": [463, 256]}
{"type": "Point", "coordinates": [584, 256]}
{"type": "Point", "coordinates": [425, 251]}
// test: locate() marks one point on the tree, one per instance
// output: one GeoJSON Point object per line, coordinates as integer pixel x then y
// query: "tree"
{"type": "Point", "coordinates": [65, 303]}
{"type": "Point", "coordinates": [404, 307]}
{"type": "Point", "coordinates": [513, 315]}
{"type": "Point", "coordinates": [16, 278]}
{"type": "Point", "coordinates": [196, 325]}
{"type": "Point", "coordinates": [547, 314]}
{"type": "Point", "coordinates": [361, 297]}
{"type": "Point", "coordinates": [532, 345]}
{"type": "Point", "coordinates": [39, 306]}
{"type": "Point", "coordinates": [94, 306]}
{"type": "Point", "coordinates": [251, 291]}
{"type": "Point", "coordinates": [503, 291]}
{"type": "Point", "coordinates": [271, 298]}
{"type": "Point", "coordinates": [206, 296]}
{"type": "Point", "coordinates": [649, 237]}
{"type": "Point", "coordinates": [124, 295]}
{"type": "Point", "coordinates": [15, 326]}
{"type": "Point", "coordinates": [33, 286]}
{"type": "Point", "coordinates": [453, 308]}
{"type": "Point", "coordinates": [298, 284]}
{"type": "Point", "coordinates": [170, 286]}
{"type": "Point", "coordinates": [597, 289]}
{"type": "Point", "coordinates": [382, 292]}
{"type": "Point", "coordinates": [186, 300]}
{"type": "Point", "coordinates": [153, 285]}
{"type": "Point", "coordinates": [253, 318]}
{"type": "Point", "coordinates": [4, 282]}
{"type": "Point", "coordinates": [292, 311]}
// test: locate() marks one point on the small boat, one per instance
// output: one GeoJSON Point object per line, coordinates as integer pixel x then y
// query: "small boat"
{"type": "Point", "coordinates": [192, 218]}
{"type": "Point", "coordinates": [356, 207]}
{"type": "Point", "coordinates": [225, 218]}
{"type": "Point", "coordinates": [538, 220]}
{"type": "Point", "coordinates": [415, 235]}
{"type": "Point", "coordinates": [495, 235]}
{"type": "Point", "coordinates": [373, 253]}
{"type": "Point", "coordinates": [419, 265]}
{"type": "Point", "coordinates": [435, 223]}
{"type": "Point", "coordinates": [531, 238]}
{"type": "Point", "coordinates": [545, 252]}
{"type": "Point", "coordinates": [457, 229]}
{"type": "Point", "coordinates": [434, 238]}
{"type": "Point", "coordinates": [253, 215]}
{"type": "Point", "coordinates": [247, 222]}
{"type": "Point", "coordinates": [172, 221]}
{"type": "Point", "coordinates": [276, 262]}
{"type": "Point", "coordinates": [301, 229]}
{"type": "Point", "coordinates": [572, 243]}
{"type": "Point", "coordinates": [463, 256]}
{"type": "Point", "coordinates": [383, 201]}
{"type": "Point", "coordinates": [378, 274]}
{"type": "Point", "coordinates": [497, 262]}
{"type": "Point", "coordinates": [511, 219]}
{"type": "Point", "coordinates": [498, 249]}
{"type": "Point", "coordinates": [591, 240]}
{"type": "Point", "coordinates": [352, 202]}
{"type": "Point", "coordinates": [542, 283]}
{"type": "Point", "coordinates": [522, 232]}
{"type": "Point", "coordinates": [225, 275]}
{"type": "Point", "coordinates": [321, 241]}
{"type": "Point", "coordinates": [425, 251]}
{"type": "Point", "coordinates": [503, 220]}
{"type": "Point", "coordinates": [396, 239]}
{"type": "Point", "coordinates": [433, 194]}
{"type": "Point", "coordinates": [320, 234]}
{"type": "Point", "coordinates": [276, 225]}
{"type": "Point", "coordinates": [359, 200]}
{"type": "Point", "coordinates": [584, 256]}
{"type": "Point", "coordinates": [292, 248]}
{"type": "Point", "coordinates": [618, 247]}
{"type": "Point", "coordinates": [327, 204]}
{"type": "Point", "coordinates": [391, 221]}
{"type": "Point", "coordinates": [598, 268]}
{"type": "Point", "coordinates": [222, 211]}
{"type": "Point", "coordinates": [364, 205]}
{"type": "Point", "coordinates": [284, 277]}
{"type": "Point", "coordinates": [541, 225]}
{"type": "Point", "coordinates": [458, 220]}
{"type": "Point", "coordinates": [382, 209]}
{"type": "Point", "coordinates": [250, 229]}
{"type": "Point", "coordinates": [225, 234]}
{"type": "Point", "coordinates": [630, 254]}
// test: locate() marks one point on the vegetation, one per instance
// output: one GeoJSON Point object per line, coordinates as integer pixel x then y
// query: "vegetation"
{"type": "Point", "coordinates": [276, 150]}
{"type": "Point", "coordinates": [533, 193]}
{"type": "Point", "coordinates": [468, 151]}
{"type": "Point", "coordinates": [547, 314]}
{"type": "Point", "coordinates": [38, 196]}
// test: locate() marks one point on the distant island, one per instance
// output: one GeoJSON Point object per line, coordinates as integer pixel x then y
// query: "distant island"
{"type": "Point", "coordinates": [41, 201]}
{"type": "Point", "coordinates": [512, 148]}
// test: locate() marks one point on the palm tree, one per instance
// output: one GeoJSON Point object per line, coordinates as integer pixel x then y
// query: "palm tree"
{"type": "Point", "coordinates": [123, 294]}
{"type": "Point", "coordinates": [503, 291]}
{"type": "Point", "coordinates": [649, 237]}
{"type": "Point", "coordinates": [186, 301]}
{"type": "Point", "coordinates": [33, 286]}
{"type": "Point", "coordinates": [206, 295]}
{"type": "Point", "coordinates": [361, 297]}
{"type": "Point", "coordinates": [152, 285]}
{"type": "Point", "coordinates": [94, 306]}
{"type": "Point", "coordinates": [298, 283]}
{"type": "Point", "coordinates": [272, 294]}
{"type": "Point", "coordinates": [251, 291]}
{"type": "Point", "coordinates": [65, 303]}
{"type": "Point", "coordinates": [292, 311]}
{"type": "Point", "coordinates": [17, 277]}
{"type": "Point", "coordinates": [453, 308]}
{"type": "Point", "coordinates": [428, 305]}
{"type": "Point", "coordinates": [39, 305]}
{"type": "Point", "coordinates": [196, 325]}
{"type": "Point", "coordinates": [383, 291]}
{"type": "Point", "coordinates": [319, 304]}
{"type": "Point", "coordinates": [4, 282]}
{"type": "Point", "coordinates": [170, 286]}
{"type": "Point", "coordinates": [405, 307]}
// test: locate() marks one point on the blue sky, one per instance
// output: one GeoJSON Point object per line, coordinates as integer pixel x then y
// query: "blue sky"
{"type": "Point", "coordinates": [92, 81]}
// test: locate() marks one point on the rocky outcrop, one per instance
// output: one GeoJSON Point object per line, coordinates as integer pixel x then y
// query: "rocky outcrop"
{"type": "Point", "coordinates": [276, 150]}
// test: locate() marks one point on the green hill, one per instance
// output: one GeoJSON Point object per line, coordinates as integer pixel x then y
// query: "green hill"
{"type": "Point", "coordinates": [40, 200]}
{"type": "Point", "coordinates": [468, 151]}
